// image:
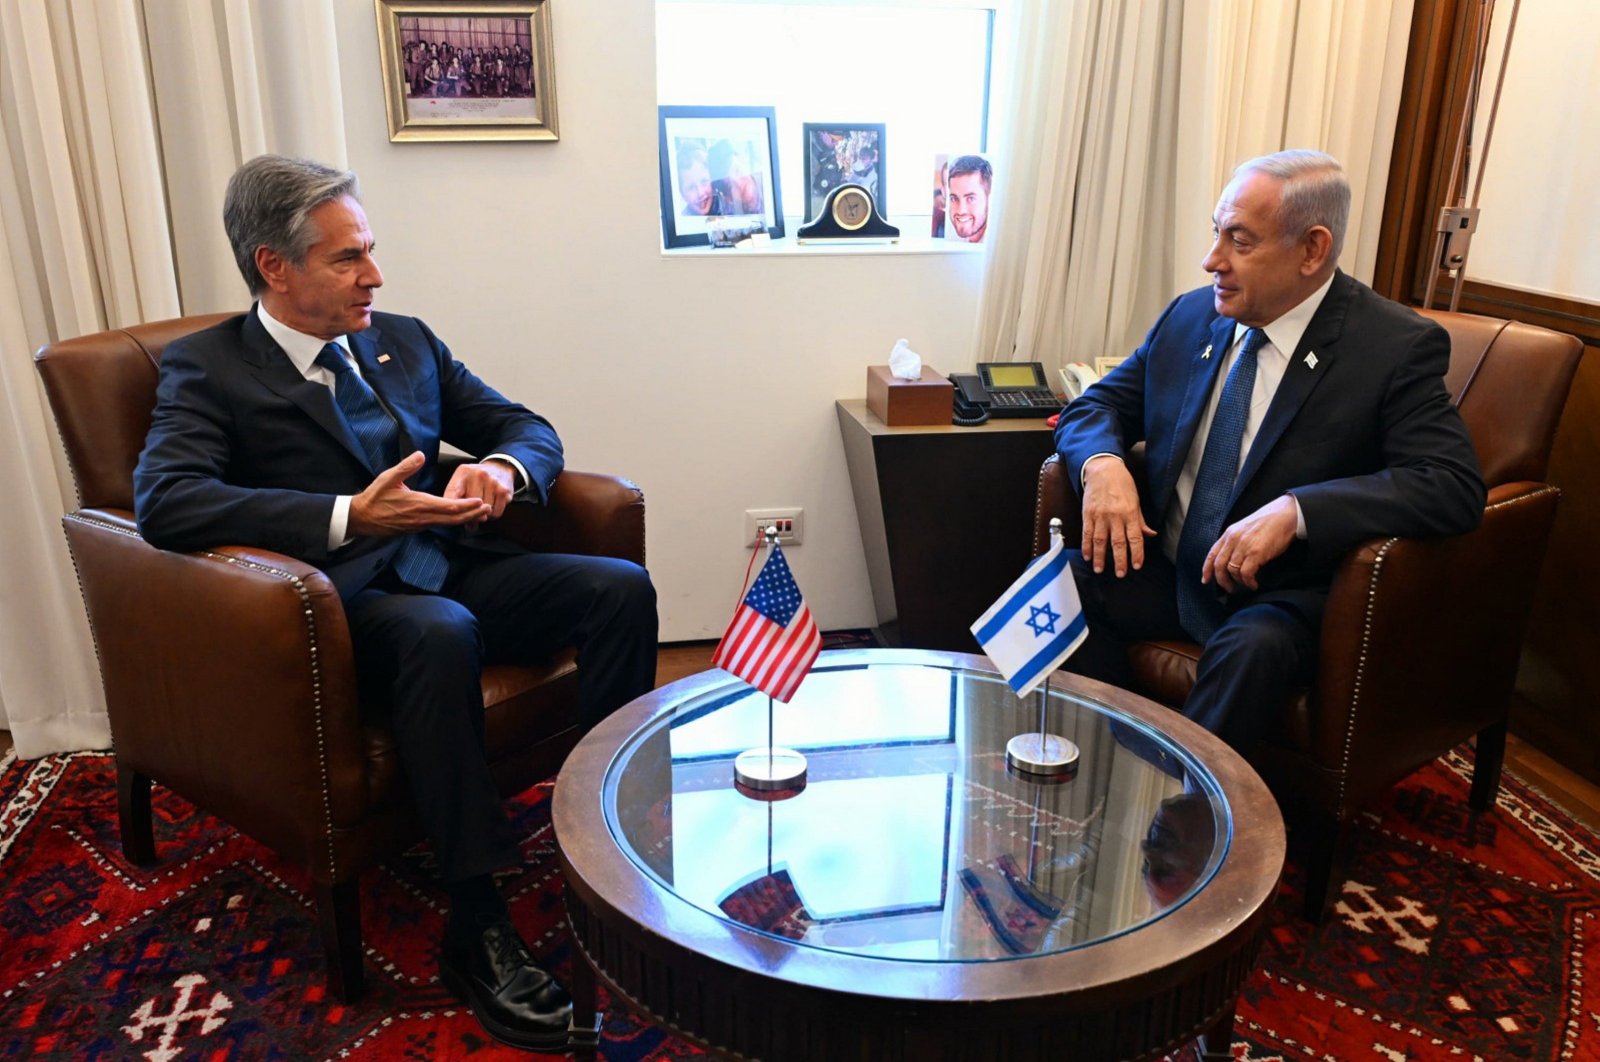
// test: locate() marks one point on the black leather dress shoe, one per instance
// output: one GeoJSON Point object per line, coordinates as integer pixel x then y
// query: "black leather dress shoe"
{"type": "Point", "coordinates": [515, 1001]}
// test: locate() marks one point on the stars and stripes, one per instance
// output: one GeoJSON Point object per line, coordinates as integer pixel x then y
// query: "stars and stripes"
{"type": "Point", "coordinates": [772, 640]}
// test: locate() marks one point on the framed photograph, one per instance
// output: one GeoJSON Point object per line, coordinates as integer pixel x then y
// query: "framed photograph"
{"type": "Point", "coordinates": [478, 70]}
{"type": "Point", "coordinates": [967, 181]}
{"type": "Point", "coordinates": [719, 174]}
{"type": "Point", "coordinates": [843, 153]}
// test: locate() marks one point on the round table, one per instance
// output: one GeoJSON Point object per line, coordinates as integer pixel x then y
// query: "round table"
{"type": "Point", "coordinates": [915, 898]}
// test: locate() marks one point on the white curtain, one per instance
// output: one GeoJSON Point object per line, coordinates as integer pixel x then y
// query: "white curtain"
{"type": "Point", "coordinates": [1127, 119]}
{"type": "Point", "coordinates": [120, 122]}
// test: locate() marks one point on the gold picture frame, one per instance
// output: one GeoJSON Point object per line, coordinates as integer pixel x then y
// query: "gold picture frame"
{"type": "Point", "coordinates": [475, 70]}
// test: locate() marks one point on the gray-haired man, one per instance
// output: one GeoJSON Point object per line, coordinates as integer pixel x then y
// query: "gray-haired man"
{"type": "Point", "coordinates": [1288, 412]}
{"type": "Point", "coordinates": [311, 426]}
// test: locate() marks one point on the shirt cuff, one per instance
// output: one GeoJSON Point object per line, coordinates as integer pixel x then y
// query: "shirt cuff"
{"type": "Point", "coordinates": [522, 473]}
{"type": "Point", "coordinates": [1083, 470]}
{"type": "Point", "coordinates": [339, 525]}
{"type": "Point", "coordinates": [1299, 519]}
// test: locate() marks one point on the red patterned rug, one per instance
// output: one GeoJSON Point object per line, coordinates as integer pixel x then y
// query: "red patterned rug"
{"type": "Point", "coordinates": [1456, 938]}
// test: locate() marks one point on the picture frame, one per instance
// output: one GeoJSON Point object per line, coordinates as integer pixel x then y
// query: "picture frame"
{"type": "Point", "coordinates": [836, 153]}
{"type": "Point", "coordinates": [719, 174]}
{"type": "Point", "coordinates": [1105, 363]}
{"type": "Point", "coordinates": [963, 195]}
{"type": "Point", "coordinates": [478, 70]}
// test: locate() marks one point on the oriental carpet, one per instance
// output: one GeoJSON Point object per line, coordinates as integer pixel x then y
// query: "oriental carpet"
{"type": "Point", "coordinates": [1455, 937]}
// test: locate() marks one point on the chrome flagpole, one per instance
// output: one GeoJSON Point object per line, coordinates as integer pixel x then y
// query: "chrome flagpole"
{"type": "Point", "coordinates": [1043, 756]}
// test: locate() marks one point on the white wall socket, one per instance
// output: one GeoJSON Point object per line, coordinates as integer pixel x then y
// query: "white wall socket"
{"type": "Point", "coordinates": [789, 523]}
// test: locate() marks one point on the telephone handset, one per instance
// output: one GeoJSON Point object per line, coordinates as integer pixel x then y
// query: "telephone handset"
{"type": "Point", "coordinates": [1076, 378]}
{"type": "Point", "coordinates": [1003, 389]}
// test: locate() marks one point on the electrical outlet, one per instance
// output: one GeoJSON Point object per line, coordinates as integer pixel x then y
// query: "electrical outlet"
{"type": "Point", "coordinates": [788, 522]}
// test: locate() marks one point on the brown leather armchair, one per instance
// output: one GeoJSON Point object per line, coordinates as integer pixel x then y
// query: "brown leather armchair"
{"type": "Point", "coordinates": [228, 673]}
{"type": "Point", "coordinates": [1421, 638]}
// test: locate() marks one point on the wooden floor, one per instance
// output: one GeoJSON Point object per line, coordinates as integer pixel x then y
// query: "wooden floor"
{"type": "Point", "coordinates": [1577, 795]}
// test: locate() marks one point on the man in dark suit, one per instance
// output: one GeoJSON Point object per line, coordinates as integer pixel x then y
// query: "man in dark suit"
{"type": "Point", "coordinates": [1288, 412]}
{"type": "Point", "coordinates": [312, 425]}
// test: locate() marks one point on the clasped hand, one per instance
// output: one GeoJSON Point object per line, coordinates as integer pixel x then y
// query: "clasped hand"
{"type": "Point", "coordinates": [475, 493]}
{"type": "Point", "coordinates": [1114, 529]}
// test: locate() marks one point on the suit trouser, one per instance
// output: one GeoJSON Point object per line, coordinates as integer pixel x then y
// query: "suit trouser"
{"type": "Point", "coordinates": [423, 654]}
{"type": "Point", "coordinates": [1263, 652]}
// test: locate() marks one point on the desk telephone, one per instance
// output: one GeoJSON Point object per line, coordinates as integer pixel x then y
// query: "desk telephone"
{"type": "Point", "coordinates": [1006, 389]}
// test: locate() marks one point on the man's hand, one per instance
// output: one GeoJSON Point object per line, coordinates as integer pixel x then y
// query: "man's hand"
{"type": "Point", "coordinates": [389, 507]}
{"type": "Point", "coordinates": [493, 482]}
{"type": "Point", "coordinates": [1112, 521]}
{"type": "Point", "coordinates": [1244, 547]}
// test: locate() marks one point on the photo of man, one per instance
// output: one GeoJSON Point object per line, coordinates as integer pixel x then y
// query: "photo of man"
{"type": "Point", "coordinates": [967, 187]}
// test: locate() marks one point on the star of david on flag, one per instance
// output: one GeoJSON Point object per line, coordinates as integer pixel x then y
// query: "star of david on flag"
{"type": "Point", "coordinates": [772, 641]}
{"type": "Point", "coordinates": [1036, 624]}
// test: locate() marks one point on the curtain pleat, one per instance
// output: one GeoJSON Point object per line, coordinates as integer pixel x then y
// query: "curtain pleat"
{"type": "Point", "coordinates": [120, 123]}
{"type": "Point", "coordinates": [1127, 120]}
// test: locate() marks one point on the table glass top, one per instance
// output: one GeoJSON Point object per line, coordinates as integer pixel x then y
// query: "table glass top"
{"type": "Point", "coordinates": [910, 840]}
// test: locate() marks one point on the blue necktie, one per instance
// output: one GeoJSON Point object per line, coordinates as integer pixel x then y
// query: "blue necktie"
{"type": "Point", "coordinates": [1199, 609]}
{"type": "Point", "coordinates": [419, 561]}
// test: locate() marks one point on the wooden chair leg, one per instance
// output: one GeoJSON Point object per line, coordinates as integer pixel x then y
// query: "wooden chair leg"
{"type": "Point", "coordinates": [1330, 844]}
{"type": "Point", "coordinates": [1490, 757]}
{"type": "Point", "coordinates": [1216, 1043]}
{"type": "Point", "coordinates": [339, 920]}
{"type": "Point", "coordinates": [133, 817]}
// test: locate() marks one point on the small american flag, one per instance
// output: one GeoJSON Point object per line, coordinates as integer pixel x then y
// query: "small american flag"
{"type": "Point", "coordinates": [772, 640]}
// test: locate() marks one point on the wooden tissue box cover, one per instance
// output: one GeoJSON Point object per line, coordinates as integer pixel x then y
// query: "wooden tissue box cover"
{"type": "Point", "coordinates": [903, 402]}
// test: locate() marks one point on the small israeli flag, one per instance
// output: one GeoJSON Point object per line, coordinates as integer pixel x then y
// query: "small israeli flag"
{"type": "Point", "coordinates": [1037, 623]}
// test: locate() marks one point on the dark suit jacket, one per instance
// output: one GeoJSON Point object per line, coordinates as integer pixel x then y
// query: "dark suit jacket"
{"type": "Point", "coordinates": [1365, 435]}
{"type": "Point", "coordinates": [244, 450]}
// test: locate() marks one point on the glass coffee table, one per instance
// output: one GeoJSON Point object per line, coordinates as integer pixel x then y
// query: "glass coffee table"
{"type": "Point", "coordinates": [915, 899]}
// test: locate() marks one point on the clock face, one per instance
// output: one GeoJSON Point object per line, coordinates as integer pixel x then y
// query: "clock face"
{"type": "Point", "coordinates": [852, 207]}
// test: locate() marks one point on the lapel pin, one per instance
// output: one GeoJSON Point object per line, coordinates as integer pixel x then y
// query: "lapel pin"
{"type": "Point", "coordinates": [382, 358]}
{"type": "Point", "coordinates": [1311, 359]}
{"type": "Point", "coordinates": [1206, 353]}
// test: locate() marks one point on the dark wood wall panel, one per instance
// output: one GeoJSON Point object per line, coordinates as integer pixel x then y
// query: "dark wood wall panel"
{"type": "Point", "coordinates": [1558, 685]}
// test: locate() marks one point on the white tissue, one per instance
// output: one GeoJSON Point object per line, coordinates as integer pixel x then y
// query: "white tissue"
{"type": "Point", "coordinates": [905, 363]}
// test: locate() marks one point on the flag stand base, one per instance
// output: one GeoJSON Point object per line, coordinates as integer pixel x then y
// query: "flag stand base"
{"type": "Point", "coordinates": [1044, 757]}
{"type": "Point", "coordinates": [765, 769]}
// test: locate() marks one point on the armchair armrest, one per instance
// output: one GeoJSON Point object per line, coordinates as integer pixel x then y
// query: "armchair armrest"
{"type": "Point", "coordinates": [588, 513]}
{"type": "Point", "coordinates": [228, 673]}
{"type": "Point", "coordinates": [1421, 639]}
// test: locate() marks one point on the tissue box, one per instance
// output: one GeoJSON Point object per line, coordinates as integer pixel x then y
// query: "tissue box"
{"type": "Point", "coordinates": [901, 402]}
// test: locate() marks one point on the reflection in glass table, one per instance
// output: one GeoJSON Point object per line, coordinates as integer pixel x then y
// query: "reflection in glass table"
{"type": "Point", "coordinates": [911, 840]}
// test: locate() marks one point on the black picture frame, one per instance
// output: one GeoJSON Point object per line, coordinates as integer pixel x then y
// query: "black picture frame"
{"type": "Point", "coordinates": [829, 147]}
{"type": "Point", "coordinates": [721, 203]}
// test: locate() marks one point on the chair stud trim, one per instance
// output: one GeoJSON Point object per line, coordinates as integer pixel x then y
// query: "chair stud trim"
{"type": "Point", "coordinates": [315, 658]}
{"type": "Point", "coordinates": [1038, 490]}
{"type": "Point", "coordinates": [1361, 668]}
{"type": "Point", "coordinates": [1366, 629]}
{"type": "Point", "coordinates": [94, 634]}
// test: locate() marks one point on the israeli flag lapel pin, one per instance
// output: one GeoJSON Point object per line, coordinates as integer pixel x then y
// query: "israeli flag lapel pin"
{"type": "Point", "coordinates": [1311, 359]}
{"type": "Point", "coordinates": [382, 358]}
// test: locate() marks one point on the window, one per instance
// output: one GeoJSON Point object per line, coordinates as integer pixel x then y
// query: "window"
{"type": "Point", "coordinates": [922, 69]}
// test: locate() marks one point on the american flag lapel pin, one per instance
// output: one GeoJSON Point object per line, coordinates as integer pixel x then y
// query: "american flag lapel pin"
{"type": "Point", "coordinates": [1311, 359]}
{"type": "Point", "coordinates": [382, 358]}
{"type": "Point", "coordinates": [1206, 353]}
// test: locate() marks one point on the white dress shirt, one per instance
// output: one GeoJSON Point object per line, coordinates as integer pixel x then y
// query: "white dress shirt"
{"type": "Point", "coordinates": [303, 349]}
{"type": "Point", "coordinates": [1272, 359]}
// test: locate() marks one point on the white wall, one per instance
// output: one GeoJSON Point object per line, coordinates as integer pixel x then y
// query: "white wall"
{"type": "Point", "coordinates": [1536, 231]}
{"type": "Point", "coordinates": [709, 381]}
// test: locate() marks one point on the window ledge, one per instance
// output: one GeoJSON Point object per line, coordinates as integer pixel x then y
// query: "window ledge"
{"type": "Point", "coordinates": [788, 246]}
